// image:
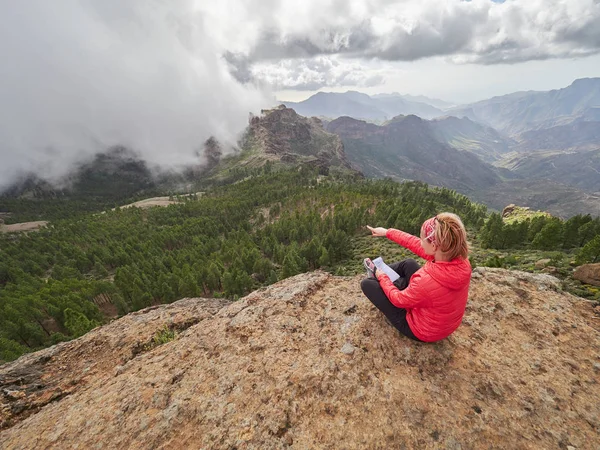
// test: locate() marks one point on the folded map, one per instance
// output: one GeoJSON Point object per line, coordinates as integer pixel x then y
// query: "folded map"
{"type": "Point", "coordinates": [385, 269]}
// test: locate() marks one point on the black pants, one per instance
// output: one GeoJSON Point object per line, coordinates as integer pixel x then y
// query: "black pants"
{"type": "Point", "coordinates": [397, 316]}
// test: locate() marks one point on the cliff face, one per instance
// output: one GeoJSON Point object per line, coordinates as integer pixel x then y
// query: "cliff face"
{"type": "Point", "coordinates": [308, 363]}
{"type": "Point", "coordinates": [281, 134]}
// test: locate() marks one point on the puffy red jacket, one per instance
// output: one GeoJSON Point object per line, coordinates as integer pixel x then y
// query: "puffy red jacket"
{"type": "Point", "coordinates": [436, 296]}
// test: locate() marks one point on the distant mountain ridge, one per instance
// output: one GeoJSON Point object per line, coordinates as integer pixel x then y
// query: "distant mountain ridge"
{"type": "Point", "coordinates": [435, 102]}
{"type": "Point", "coordinates": [579, 135]}
{"type": "Point", "coordinates": [406, 148]}
{"type": "Point", "coordinates": [464, 134]}
{"type": "Point", "coordinates": [580, 169]}
{"type": "Point", "coordinates": [545, 167]}
{"type": "Point", "coordinates": [533, 110]}
{"type": "Point", "coordinates": [361, 106]}
{"type": "Point", "coordinates": [116, 173]}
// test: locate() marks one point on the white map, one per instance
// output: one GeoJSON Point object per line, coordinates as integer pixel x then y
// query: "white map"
{"type": "Point", "coordinates": [385, 269]}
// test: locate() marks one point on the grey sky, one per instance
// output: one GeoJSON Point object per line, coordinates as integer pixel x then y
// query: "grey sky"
{"type": "Point", "coordinates": [161, 76]}
{"type": "Point", "coordinates": [331, 43]}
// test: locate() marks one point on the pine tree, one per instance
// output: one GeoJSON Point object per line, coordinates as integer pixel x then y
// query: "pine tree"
{"type": "Point", "coordinates": [571, 236]}
{"type": "Point", "coordinates": [10, 350]}
{"type": "Point", "coordinates": [550, 237]}
{"type": "Point", "coordinates": [272, 278]}
{"type": "Point", "coordinates": [492, 233]}
{"type": "Point", "coordinates": [590, 253]}
{"type": "Point", "coordinates": [324, 259]}
{"type": "Point", "coordinates": [77, 323]}
{"type": "Point", "coordinates": [100, 270]}
{"type": "Point", "coordinates": [587, 232]}
{"type": "Point", "coordinates": [290, 265]}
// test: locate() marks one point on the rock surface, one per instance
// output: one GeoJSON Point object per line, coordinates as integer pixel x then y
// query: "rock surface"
{"type": "Point", "coordinates": [588, 273]}
{"type": "Point", "coordinates": [283, 135]}
{"type": "Point", "coordinates": [309, 363]}
{"type": "Point", "coordinates": [541, 263]}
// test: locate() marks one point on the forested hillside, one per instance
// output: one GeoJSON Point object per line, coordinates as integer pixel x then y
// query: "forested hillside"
{"type": "Point", "coordinates": [54, 284]}
{"type": "Point", "coordinates": [60, 282]}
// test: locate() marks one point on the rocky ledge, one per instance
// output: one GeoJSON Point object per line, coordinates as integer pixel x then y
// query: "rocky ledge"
{"type": "Point", "coordinates": [309, 363]}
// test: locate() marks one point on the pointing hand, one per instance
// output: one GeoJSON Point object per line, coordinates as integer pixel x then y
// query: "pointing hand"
{"type": "Point", "coordinates": [379, 231]}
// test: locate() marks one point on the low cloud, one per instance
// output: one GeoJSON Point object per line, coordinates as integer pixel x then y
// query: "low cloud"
{"type": "Point", "coordinates": [315, 73]}
{"type": "Point", "coordinates": [79, 76]}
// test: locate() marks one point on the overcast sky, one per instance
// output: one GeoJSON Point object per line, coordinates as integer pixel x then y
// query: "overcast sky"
{"type": "Point", "coordinates": [162, 76]}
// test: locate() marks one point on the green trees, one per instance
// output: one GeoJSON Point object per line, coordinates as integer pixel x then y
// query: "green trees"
{"type": "Point", "coordinates": [492, 233]}
{"type": "Point", "coordinates": [550, 237]}
{"type": "Point", "coordinates": [208, 246]}
{"type": "Point", "coordinates": [541, 232]}
{"type": "Point", "coordinates": [77, 323]}
{"type": "Point", "coordinates": [590, 253]}
{"type": "Point", "coordinates": [291, 265]}
{"type": "Point", "coordinates": [588, 231]}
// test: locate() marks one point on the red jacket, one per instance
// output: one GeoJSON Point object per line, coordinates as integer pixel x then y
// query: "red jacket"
{"type": "Point", "coordinates": [436, 296]}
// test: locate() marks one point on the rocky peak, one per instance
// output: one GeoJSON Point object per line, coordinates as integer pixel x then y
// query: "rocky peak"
{"type": "Point", "coordinates": [309, 362]}
{"type": "Point", "coordinates": [282, 134]}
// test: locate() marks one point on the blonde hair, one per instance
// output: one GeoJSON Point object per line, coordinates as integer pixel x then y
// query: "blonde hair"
{"type": "Point", "coordinates": [451, 236]}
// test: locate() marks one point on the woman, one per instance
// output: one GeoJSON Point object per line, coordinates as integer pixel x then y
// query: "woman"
{"type": "Point", "coordinates": [426, 303]}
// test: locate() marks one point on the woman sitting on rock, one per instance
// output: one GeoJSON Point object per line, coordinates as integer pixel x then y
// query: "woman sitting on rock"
{"type": "Point", "coordinates": [426, 303]}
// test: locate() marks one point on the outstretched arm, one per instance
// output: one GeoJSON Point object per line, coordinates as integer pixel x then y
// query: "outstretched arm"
{"type": "Point", "coordinates": [408, 241]}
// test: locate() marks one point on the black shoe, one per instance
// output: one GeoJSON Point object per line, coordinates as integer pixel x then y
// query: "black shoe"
{"type": "Point", "coordinates": [370, 267]}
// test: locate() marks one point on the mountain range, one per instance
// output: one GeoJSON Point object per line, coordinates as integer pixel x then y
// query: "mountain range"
{"type": "Point", "coordinates": [361, 106]}
{"type": "Point", "coordinates": [497, 152]}
{"type": "Point", "coordinates": [521, 111]}
{"type": "Point", "coordinates": [406, 148]}
{"type": "Point", "coordinates": [549, 139]}
{"type": "Point", "coordinates": [436, 102]}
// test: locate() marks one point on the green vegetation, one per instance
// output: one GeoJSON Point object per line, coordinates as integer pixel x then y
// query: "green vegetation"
{"type": "Point", "coordinates": [520, 214]}
{"type": "Point", "coordinates": [228, 242]}
{"type": "Point", "coordinates": [545, 233]}
{"type": "Point", "coordinates": [161, 337]}
{"type": "Point", "coordinates": [266, 224]}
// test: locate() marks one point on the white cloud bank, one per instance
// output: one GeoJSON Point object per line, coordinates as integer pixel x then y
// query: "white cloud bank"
{"type": "Point", "coordinates": [266, 36]}
{"type": "Point", "coordinates": [79, 76]}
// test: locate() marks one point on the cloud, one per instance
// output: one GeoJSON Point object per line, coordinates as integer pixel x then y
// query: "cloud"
{"type": "Point", "coordinates": [477, 31]}
{"type": "Point", "coordinates": [315, 73]}
{"type": "Point", "coordinates": [79, 76]}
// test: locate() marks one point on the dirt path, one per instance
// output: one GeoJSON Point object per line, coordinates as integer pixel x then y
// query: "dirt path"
{"type": "Point", "coordinates": [157, 201]}
{"type": "Point", "coordinates": [25, 226]}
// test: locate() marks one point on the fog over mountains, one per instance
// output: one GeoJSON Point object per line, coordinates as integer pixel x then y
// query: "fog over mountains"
{"type": "Point", "coordinates": [504, 144]}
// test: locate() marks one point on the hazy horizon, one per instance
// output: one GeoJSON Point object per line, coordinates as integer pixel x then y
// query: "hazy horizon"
{"type": "Point", "coordinates": [298, 96]}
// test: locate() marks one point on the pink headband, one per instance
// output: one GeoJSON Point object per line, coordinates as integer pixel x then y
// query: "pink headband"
{"type": "Point", "coordinates": [429, 229]}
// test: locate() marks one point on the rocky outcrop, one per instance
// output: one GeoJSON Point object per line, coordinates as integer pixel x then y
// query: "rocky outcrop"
{"type": "Point", "coordinates": [514, 213]}
{"type": "Point", "coordinates": [44, 377]}
{"type": "Point", "coordinates": [310, 363]}
{"type": "Point", "coordinates": [280, 134]}
{"type": "Point", "coordinates": [588, 273]}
